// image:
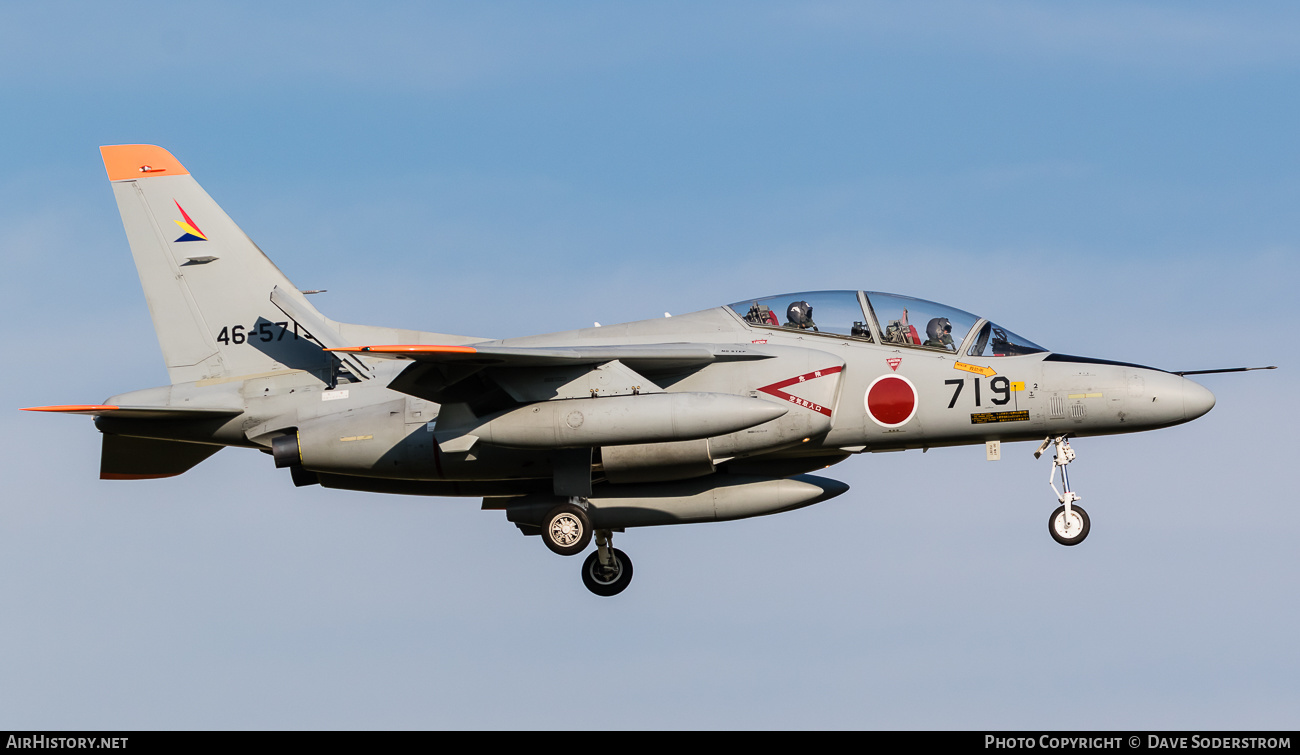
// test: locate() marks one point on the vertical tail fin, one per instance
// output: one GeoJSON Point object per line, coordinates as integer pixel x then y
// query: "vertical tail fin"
{"type": "Point", "coordinates": [207, 284]}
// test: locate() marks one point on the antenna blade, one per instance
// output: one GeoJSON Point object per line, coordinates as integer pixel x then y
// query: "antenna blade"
{"type": "Point", "coordinates": [1226, 369]}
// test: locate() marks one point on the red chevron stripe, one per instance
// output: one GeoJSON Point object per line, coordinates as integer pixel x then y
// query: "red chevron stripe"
{"type": "Point", "coordinates": [775, 389]}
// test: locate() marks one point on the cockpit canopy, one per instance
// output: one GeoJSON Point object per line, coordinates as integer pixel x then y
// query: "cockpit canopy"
{"type": "Point", "coordinates": [886, 319]}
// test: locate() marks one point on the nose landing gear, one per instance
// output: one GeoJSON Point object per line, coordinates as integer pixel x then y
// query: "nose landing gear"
{"type": "Point", "coordinates": [1069, 524]}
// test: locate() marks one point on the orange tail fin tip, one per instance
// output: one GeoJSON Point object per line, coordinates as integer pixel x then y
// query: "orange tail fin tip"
{"type": "Point", "coordinates": [125, 162]}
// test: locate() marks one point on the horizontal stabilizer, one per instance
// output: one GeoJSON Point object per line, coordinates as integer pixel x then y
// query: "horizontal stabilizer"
{"type": "Point", "coordinates": [137, 412]}
{"type": "Point", "coordinates": [683, 354]}
{"type": "Point", "coordinates": [124, 458]}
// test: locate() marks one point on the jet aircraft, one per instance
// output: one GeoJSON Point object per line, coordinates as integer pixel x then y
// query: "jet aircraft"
{"type": "Point", "coordinates": [715, 415]}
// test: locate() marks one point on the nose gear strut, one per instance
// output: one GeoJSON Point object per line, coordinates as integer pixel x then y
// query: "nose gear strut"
{"type": "Point", "coordinates": [1068, 524]}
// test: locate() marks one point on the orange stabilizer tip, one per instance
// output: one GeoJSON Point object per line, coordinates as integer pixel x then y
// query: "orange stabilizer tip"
{"type": "Point", "coordinates": [130, 161]}
{"type": "Point", "coordinates": [81, 408]}
{"type": "Point", "coordinates": [408, 349]}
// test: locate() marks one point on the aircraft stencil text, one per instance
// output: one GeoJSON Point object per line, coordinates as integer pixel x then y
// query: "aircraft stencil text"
{"type": "Point", "coordinates": [263, 332]}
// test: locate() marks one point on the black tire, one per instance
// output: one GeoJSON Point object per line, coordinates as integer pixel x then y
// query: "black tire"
{"type": "Point", "coordinates": [607, 585]}
{"type": "Point", "coordinates": [566, 530]}
{"type": "Point", "coordinates": [1061, 538]}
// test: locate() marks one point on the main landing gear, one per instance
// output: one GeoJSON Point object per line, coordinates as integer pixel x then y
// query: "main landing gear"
{"type": "Point", "coordinates": [1068, 524]}
{"type": "Point", "coordinates": [608, 570]}
{"type": "Point", "coordinates": [567, 530]}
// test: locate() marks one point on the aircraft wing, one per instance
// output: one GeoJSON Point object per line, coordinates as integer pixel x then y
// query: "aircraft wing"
{"type": "Point", "coordinates": [530, 373]}
{"type": "Point", "coordinates": [658, 354]}
{"type": "Point", "coordinates": [137, 412]}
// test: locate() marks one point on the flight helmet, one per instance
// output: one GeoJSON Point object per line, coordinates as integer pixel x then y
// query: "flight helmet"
{"type": "Point", "coordinates": [799, 313]}
{"type": "Point", "coordinates": [937, 327]}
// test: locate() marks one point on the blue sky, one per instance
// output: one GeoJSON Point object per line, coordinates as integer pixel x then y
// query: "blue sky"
{"type": "Point", "coordinates": [1110, 179]}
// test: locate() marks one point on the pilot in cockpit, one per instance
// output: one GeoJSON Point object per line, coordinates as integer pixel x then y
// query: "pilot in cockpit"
{"type": "Point", "coordinates": [799, 316]}
{"type": "Point", "coordinates": [939, 334]}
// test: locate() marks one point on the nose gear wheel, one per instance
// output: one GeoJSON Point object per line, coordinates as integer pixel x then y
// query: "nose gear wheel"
{"type": "Point", "coordinates": [1068, 528]}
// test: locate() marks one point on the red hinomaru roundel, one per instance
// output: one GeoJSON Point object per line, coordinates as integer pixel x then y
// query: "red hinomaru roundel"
{"type": "Point", "coordinates": [891, 400]}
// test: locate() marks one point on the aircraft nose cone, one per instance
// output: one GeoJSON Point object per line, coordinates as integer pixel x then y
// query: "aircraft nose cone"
{"type": "Point", "coordinates": [1197, 399]}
